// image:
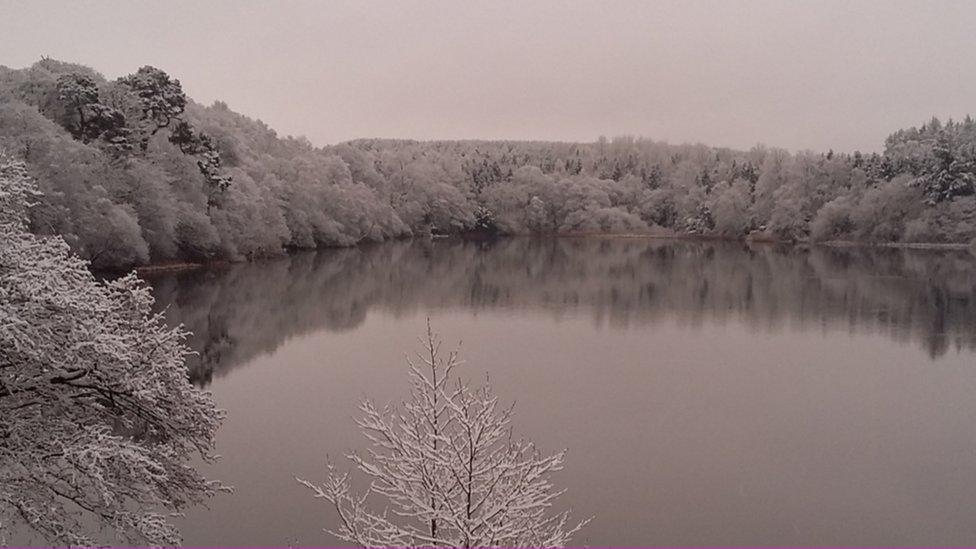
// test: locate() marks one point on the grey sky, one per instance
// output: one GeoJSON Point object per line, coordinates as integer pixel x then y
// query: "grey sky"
{"type": "Point", "coordinates": [799, 75]}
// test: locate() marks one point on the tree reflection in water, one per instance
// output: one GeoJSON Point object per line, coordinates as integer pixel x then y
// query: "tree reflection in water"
{"type": "Point", "coordinates": [240, 311]}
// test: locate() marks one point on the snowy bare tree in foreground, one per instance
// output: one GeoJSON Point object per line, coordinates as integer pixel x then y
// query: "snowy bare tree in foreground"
{"type": "Point", "coordinates": [97, 416]}
{"type": "Point", "coordinates": [450, 469]}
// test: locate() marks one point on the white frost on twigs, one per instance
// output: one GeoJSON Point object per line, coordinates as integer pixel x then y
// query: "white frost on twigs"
{"type": "Point", "coordinates": [450, 469]}
{"type": "Point", "coordinates": [97, 417]}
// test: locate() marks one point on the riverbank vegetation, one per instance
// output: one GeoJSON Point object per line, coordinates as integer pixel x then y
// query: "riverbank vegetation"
{"type": "Point", "coordinates": [134, 172]}
{"type": "Point", "coordinates": [98, 419]}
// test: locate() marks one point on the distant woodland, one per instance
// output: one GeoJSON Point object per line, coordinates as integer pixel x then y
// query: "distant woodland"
{"type": "Point", "coordinates": [134, 172]}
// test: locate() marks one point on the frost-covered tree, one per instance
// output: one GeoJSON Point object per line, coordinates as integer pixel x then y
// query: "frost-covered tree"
{"type": "Point", "coordinates": [208, 159]}
{"type": "Point", "coordinates": [160, 98]}
{"type": "Point", "coordinates": [951, 172]}
{"type": "Point", "coordinates": [97, 416]}
{"type": "Point", "coordinates": [87, 118]}
{"type": "Point", "coordinates": [729, 204]}
{"type": "Point", "coordinates": [450, 469]}
{"type": "Point", "coordinates": [78, 93]}
{"type": "Point", "coordinates": [133, 172]}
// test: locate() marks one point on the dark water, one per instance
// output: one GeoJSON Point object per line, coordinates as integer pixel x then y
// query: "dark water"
{"type": "Point", "coordinates": [708, 393]}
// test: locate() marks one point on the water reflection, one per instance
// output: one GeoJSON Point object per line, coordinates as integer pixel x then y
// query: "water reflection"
{"type": "Point", "coordinates": [241, 311]}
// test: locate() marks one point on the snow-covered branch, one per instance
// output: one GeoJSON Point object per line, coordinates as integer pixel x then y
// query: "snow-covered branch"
{"type": "Point", "coordinates": [97, 416]}
{"type": "Point", "coordinates": [450, 470]}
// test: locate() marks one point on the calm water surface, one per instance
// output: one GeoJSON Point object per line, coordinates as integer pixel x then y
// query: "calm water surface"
{"type": "Point", "coordinates": [708, 393]}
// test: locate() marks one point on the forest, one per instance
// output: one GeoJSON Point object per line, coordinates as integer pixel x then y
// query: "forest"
{"type": "Point", "coordinates": [133, 172]}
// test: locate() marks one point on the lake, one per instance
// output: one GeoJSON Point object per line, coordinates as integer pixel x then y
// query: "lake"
{"type": "Point", "coordinates": [708, 393]}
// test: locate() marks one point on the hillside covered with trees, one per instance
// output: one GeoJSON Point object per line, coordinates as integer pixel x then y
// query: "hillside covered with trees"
{"type": "Point", "coordinates": [134, 172]}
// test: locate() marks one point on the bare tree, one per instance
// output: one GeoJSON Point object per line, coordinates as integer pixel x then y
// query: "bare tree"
{"type": "Point", "coordinates": [451, 470]}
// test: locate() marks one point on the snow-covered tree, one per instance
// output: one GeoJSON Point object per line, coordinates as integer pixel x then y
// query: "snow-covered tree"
{"type": "Point", "coordinates": [450, 469]}
{"type": "Point", "coordinates": [87, 118]}
{"type": "Point", "coordinates": [134, 172]}
{"type": "Point", "coordinates": [160, 99]}
{"type": "Point", "coordinates": [97, 417]}
{"type": "Point", "coordinates": [729, 204]}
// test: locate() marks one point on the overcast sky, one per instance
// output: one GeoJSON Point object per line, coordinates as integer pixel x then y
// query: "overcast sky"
{"type": "Point", "coordinates": [800, 75]}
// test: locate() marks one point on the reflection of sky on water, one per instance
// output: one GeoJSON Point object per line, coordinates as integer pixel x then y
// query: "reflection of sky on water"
{"type": "Point", "coordinates": [709, 394]}
{"type": "Point", "coordinates": [247, 309]}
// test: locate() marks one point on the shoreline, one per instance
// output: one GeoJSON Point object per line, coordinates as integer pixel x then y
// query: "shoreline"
{"type": "Point", "coordinates": [902, 245]}
{"type": "Point", "coordinates": [181, 266]}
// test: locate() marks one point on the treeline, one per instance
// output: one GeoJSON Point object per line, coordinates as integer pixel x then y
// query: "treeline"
{"type": "Point", "coordinates": [132, 171]}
